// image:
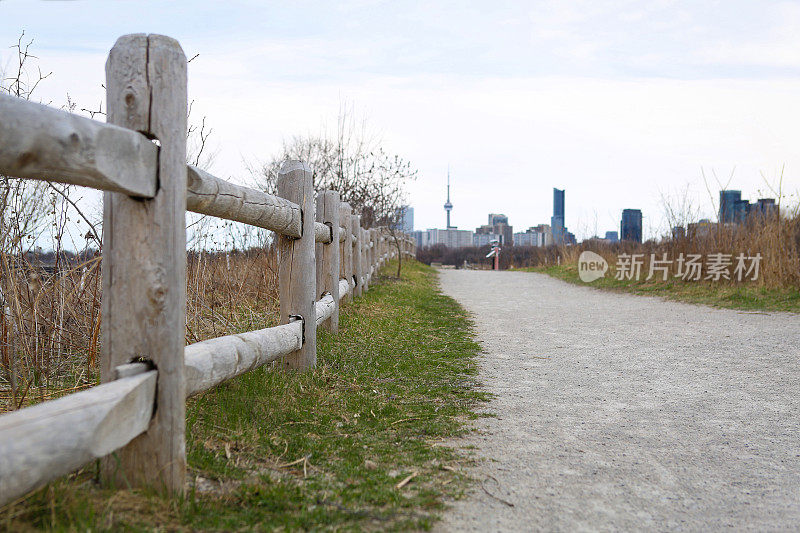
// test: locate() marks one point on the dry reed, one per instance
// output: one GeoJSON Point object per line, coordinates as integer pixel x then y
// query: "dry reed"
{"type": "Point", "coordinates": [50, 317]}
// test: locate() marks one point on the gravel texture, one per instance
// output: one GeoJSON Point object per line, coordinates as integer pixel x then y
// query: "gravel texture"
{"type": "Point", "coordinates": [622, 412]}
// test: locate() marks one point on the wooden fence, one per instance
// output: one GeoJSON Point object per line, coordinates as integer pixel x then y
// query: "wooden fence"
{"type": "Point", "coordinates": [138, 158]}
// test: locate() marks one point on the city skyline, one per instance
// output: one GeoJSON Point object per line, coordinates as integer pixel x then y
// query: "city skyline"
{"type": "Point", "coordinates": [649, 230]}
{"type": "Point", "coordinates": [732, 210]}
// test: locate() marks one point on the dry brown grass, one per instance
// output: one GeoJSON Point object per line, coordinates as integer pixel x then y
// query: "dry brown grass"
{"type": "Point", "coordinates": [50, 323]}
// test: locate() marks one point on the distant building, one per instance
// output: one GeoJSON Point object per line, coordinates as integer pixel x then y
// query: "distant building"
{"type": "Point", "coordinates": [534, 236]}
{"type": "Point", "coordinates": [727, 205]}
{"type": "Point", "coordinates": [483, 239]}
{"type": "Point", "coordinates": [495, 218]}
{"type": "Point", "coordinates": [405, 216]}
{"type": "Point", "coordinates": [524, 238]}
{"type": "Point", "coordinates": [557, 220]}
{"type": "Point", "coordinates": [546, 232]}
{"type": "Point", "coordinates": [498, 224]}
{"type": "Point", "coordinates": [742, 211]}
{"type": "Point", "coordinates": [767, 207]}
{"type": "Point", "coordinates": [421, 238]}
{"type": "Point", "coordinates": [702, 228]}
{"type": "Point", "coordinates": [612, 236]}
{"type": "Point", "coordinates": [452, 237]}
{"type": "Point", "coordinates": [506, 232]}
{"type": "Point", "coordinates": [631, 225]}
{"type": "Point", "coordinates": [678, 233]}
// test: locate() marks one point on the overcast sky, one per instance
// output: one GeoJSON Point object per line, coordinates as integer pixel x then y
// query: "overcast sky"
{"type": "Point", "coordinates": [619, 103]}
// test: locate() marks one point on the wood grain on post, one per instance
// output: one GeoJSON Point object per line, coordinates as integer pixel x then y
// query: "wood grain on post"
{"type": "Point", "coordinates": [144, 256]}
{"type": "Point", "coordinates": [364, 260]}
{"type": "Point", "coordinates": [358, 266]}
{"type": "Point", "coordinates": [370, 255]}
{"type": "Point", "coordinates": [346, 266]}
{"type": "Point", "coordinates": [296, 264]}
{"type": "Point", "coordinates": [370, 247]}
{"type": "Point", "coordinates": [328, 254]}
{"type": "Point", "coordinates": [373, 253]}
{"type": "Point", "coordinates": [381, 245]}
{"type": "Point", "coordinates": [378, 249]}
{"type": "Point", "coordinates": [319, 267]}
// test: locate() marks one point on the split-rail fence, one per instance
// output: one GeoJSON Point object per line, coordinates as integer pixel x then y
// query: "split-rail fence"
{"type": "Point", "coordinates": [135, 419]}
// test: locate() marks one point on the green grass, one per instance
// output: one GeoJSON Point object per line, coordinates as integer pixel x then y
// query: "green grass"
{"type": "Point", "coordinates": [745, 296]}
{"type": "Point", "coordinates": [320, 450]}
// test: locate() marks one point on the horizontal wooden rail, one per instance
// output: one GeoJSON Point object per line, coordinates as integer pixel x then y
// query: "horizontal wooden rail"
{"type": "Point", "coordinates": [42, 143]}
{"type": "Point", "coordinates": [211, 362]}
{"type": "Point", "coordinates": [210, 195]}
{"type": "Point", "coordinates": [43, 442]}
{"type": "Point", "coordinates": [344, 288]}
{"type": "Point", "coordinates": [322, 233]}
{"type": "Point", "coordinates": [325, 307]}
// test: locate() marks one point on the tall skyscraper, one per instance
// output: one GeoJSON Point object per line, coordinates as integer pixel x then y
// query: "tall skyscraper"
{"type": "Point", "coordinates": [767, 207]}
{"type": "Point", "coordinates": [557, 220]}
{"type": "Point", "coordinates": [727, 205]}
{"type": "Point", "coordinates": [448, 206]}
{"type": "Point", "coordinates": [631, 225]}
{"type": "Point", "coordinates": [741, 209]}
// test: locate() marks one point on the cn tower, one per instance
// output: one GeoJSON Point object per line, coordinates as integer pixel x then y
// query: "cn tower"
{"type": "Point", "coordinates": [448, 206]}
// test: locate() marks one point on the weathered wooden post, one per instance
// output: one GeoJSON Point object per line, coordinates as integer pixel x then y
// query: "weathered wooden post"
{"type": "Point", "coordinates": [379, 250]}
{"type": "Point", "coordinates": [373, 253]}
{"type": "Point", "coordinates": [365, 258]}
{"type": "Point", "coordinates": [358, 256]}
{"type": "Point", "coordinates": [362, 236]}
{"type": "Point", "coordinates": [296, 264]}
{"type": "Point", "coordinates": [328, 259]}
{"type": "Point", "coordinates": [144, 257]}
{"type": "Point", "coordinates": [346, 269]}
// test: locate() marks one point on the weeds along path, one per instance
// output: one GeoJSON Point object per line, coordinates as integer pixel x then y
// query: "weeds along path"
{"type": "Point", "coordinates": [621, 412]}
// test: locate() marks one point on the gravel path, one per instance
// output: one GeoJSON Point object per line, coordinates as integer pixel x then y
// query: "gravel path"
{"type": "Point", "coordinates": [621, 412]}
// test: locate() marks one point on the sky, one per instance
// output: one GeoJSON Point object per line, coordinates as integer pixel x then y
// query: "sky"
{"type": "Point", "coordinates": [625, 104]}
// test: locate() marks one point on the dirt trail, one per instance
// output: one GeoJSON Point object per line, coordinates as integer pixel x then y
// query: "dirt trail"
{"type": "Point", "coordinates": [620, 412]}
